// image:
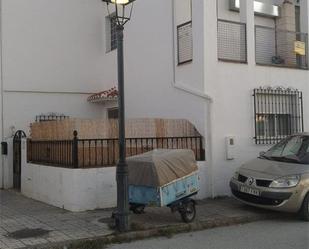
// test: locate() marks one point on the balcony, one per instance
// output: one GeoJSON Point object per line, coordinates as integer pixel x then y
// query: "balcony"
{"type": "Point", "coordinates": [281, 48]}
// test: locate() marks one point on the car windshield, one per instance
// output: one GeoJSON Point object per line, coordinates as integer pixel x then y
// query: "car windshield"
{"type": "Point", "coordinates": [294, 149]}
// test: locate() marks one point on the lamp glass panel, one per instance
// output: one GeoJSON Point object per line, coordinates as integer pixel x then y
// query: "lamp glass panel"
{"type": "Point", "coordinates": [120, 1]}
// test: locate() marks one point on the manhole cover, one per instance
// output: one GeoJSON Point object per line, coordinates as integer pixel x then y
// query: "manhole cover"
{"type": "Point", "coordinates": [28, 233]}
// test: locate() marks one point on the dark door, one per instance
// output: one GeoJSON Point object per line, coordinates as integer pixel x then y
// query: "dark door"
{"type": "Point", "coordinates": [17, 158]}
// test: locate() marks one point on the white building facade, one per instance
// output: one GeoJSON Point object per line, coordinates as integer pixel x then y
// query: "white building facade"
{"type": "Point", "coordinates": [197, 60]}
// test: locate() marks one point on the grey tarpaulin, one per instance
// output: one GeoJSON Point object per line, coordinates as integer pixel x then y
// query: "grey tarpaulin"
{"type": "Point", "coordinates": [159, 167]}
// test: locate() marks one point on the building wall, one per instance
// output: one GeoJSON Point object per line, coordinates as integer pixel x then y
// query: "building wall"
{"type": "Point", "coordinates": [231, 86]}
{"type": "Point", "coordinates": [154, 86]}
{"type": "Point", "coordinates": [149, 92]}
{"type": "Point", "coordinates": [21, 108]}
{"type": "Point", "coordinates": [52, 46]}
{"type": "Point", "coordinates": [52, 59]}
{"type": "Point", "coordinates": [54, 53]}
{"type": "Point", "coordinates": [75, 190]}
{"type": "Point", "coordinates": [224, 13]}
{"type": "Point", "coordinates": [233, 111]}
{"type": "Point", "coordinates": [149, 63]}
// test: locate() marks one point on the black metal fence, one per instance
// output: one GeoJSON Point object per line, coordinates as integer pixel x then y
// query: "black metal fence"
{"type": "Point", "coordinates": [232, 41]}
{"type": "Point", "coordinates": [50, 117]}
{"type": "Point", "coordinates": [58, 153]}
{"type": "Point", "coordinates": [278, 113]}
{"type": "Point", "coordinates": [89, 153]}
{"type": "Point", "coordinates": [281, 48]}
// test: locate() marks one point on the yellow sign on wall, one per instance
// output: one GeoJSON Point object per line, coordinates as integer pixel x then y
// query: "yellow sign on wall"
{"type": "Point", "coordinates": [300, 48]}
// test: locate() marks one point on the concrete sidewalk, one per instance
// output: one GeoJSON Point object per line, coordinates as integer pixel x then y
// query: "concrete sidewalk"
{"type": "Point", "coordinates": [27, 223]}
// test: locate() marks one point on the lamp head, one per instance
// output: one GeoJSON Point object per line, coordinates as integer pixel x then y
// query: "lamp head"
{"type": "Point", "coordinates": [119, 7]}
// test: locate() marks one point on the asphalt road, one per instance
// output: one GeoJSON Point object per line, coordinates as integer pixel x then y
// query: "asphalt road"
{"type": "Point", "coordinates": [279, 234]}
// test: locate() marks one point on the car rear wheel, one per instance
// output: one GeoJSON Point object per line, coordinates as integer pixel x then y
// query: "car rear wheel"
{"type": "Point", "coordinates": [305, 209]}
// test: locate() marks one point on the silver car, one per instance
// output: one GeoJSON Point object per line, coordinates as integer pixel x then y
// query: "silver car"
{"type": "Point", "coordinates": [278, 179]}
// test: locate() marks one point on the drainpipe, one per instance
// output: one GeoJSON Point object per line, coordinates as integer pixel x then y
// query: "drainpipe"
{"type": "Point", "coordinates": [1, 89]}
{"type": "Point", "coordinates": [200, 94]}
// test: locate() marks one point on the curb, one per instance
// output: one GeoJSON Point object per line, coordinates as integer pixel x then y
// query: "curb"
{"type": "Point", "coordinates": [166, 231]}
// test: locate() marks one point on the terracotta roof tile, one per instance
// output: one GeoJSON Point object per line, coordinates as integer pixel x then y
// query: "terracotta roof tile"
{"type": "Point", "coordinates": [111, 94]}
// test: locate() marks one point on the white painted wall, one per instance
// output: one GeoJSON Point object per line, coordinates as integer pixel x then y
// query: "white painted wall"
{"type": "Point", "coordinates": [190, 75]}
{"type": "Point", "coordinates": [8, 165]}
{"type": "Point", "coordinates": [2, 177]}
{"type": "Point", "coordinates": [149, 62]}
{"type": "Point", "coordinates": [53, 46]}
{"type": "Point", "coordinates": [59, 46]}
{"type": "Point", "coordinates": [231, 86]}
{"type": "Point", "coordinates": [183, 11]}
{"type": "Point", "coordinates": [22, 107]}
{"type": "Point", "coordinates": [203, 181]}
{"type": "Point", "coordinates": [52, 59]}
{"type": "Point", "coordinates": [71, 189]}
{"type": "Point", "coordinates": [225, 13]}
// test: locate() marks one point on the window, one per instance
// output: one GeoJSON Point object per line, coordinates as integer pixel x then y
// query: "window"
{"type": "Point", "coordinates": [232, 41]}
{"type": "Point", "coordinates": [112, 113]}
{"type": "Point", "coordinates": [278, 113]}
{"type": "Point", "coordinates": [184, 39]}
{"type": "Point", "coordinates": [185, 43]}
{"type": "Point", "coordinates": [273, 125]}
{"type": "Point", "coordinates": [111, 36]}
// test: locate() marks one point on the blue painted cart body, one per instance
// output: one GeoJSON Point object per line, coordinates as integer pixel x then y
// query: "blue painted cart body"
{"type": "Point", "coordinates": [166, 195]}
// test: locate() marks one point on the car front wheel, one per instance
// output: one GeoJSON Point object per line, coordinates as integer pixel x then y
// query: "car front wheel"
{"type": "Point", "coordinates": [305, 209]}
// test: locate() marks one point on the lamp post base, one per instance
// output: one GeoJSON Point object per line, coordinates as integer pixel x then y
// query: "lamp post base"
{"type": "Point", "coordinates": [122, 214]}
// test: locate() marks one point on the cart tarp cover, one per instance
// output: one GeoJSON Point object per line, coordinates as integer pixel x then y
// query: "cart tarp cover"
{"type": "Point", "coordinates": [159, 167]}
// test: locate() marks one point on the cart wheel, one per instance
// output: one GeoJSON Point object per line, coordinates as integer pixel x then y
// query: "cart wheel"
{"type": "Point", "coordinates": [138, 209]}
{"type": "Point", "coordinates": [188, 212]}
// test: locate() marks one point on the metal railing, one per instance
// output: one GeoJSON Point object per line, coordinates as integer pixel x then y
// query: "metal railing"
{"type": "Point", "coordinates": [232, 41]}
{"type": "Point", "coordinates": [57, 153]}
{"type": "Point", "coordinates": [90, 153]}
{"type": "Point", "coordinates": [50, 117]}
{"type": "Point", "coordinates": [278, 48]}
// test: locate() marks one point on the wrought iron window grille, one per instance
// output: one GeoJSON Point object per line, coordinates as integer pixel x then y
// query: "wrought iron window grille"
{"type": "Point", "coordinates": [278, 113]}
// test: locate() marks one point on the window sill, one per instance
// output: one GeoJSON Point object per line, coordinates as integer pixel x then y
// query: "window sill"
{"type": "Point", "coordinates": [282, 66]}
{"type": "Point", "coordinates": [233, 61]}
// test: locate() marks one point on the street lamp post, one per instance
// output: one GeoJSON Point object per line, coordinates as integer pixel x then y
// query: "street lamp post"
{"type": "Point", "coordinates": [121, 18]}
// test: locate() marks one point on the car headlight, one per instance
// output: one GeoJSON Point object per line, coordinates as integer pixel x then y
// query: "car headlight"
{"type": "Point", "coordinates": [236, 175]}
{"type": "Point", "coordinates": [286, 182]}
